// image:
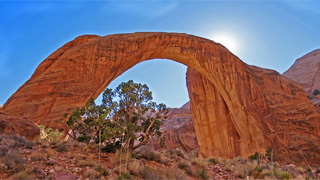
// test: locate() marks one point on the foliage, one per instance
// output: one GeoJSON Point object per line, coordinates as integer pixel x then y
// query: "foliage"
{"type": "Point", "coordinates": [203, 174]}
{"type": "Point", "coordinates": [212, 160]}
{"type": "Point", "coordinates": [102, 170]}
{"type": "Point", "coordinates": [255, 156]}
{"type": "Point", "coordinates": [50, 134]}
{"type": "Point", "coordinates": [126, 114]}
{"type": "Point", "coordinates": [316, 92]}
{"type": "Point", "coordinates": [270, 154]}
{"type": "Point", "coordinates": [125, 176]}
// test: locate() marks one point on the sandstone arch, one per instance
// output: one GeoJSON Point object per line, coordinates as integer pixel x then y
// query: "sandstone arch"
{"type": "Point", "coordinates": [237, 109]}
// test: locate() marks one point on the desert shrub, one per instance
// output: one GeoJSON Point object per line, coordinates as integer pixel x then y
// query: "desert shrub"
{"type": "Point", "coordinates": [148, 173]}
{"type": "Point", "coordinates": [284, 175]}
{"type": "Point", "coordinates": [257, 173]}
{"type": "Point", "coordinates": [125, 175]}
{"type": "Point", "coordinates": [135, 166]}
{"type": "Point", "coordinates": [220, 160]}
{"type": "Point", "coordinates": [255, 156]}
{"type": "Point", "coordinates": [37, 156]}
{"type": "Point", "coordinates": [202, 163]}
{"type": "Point", "coordinates": [184, 165]}
{"type": "Point", "coordinates": [212, 160]}
{"type": "Point", "coordinates": [61, 147]}
{"type": "Point", "coordinates": [91, 173]}
{"type": "Point", "coordinates": [102, 170]}
{"type": "Point", "coordinates": [148, 154]}
{"type": "Point", "coordinates": [308, 169]}
{"type": "Point", "coordinates": [87, 162]}
{"type": "Point", "coordinates": [316, 92]}
{"type": "Point", "coordinates": [246, 169]}
{"type": "Point", "coordinates": [175, 152]}
{"type": "Point", "coordinates": [15, 141]}
{"type": "Point", "coordinates": [270, 154]}
{"type": "Point", "coordinates": [121, 159]}
{"type": "Point", "coordinates": [24, 174]}
{"type": "Point", "coordinates": [14, 162]}
{"type": "Point", "coordinates": [259, 169]}
{"type": "Point", "coordinates": [203, 174]}
{"type": "Point", "coordinates": [3, 150]}
{"type": "Point", "coordinates": [50, 134]}
{"type": "Point", "coordinates": [174, 174]}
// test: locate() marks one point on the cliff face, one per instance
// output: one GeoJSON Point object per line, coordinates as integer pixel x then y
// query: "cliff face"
{"type": "Point", "coordinates": [177, 130]}
{"type": "Point", "coordinates": [237, 109]}
{"type": "Point", "coordinates": [306, 71]}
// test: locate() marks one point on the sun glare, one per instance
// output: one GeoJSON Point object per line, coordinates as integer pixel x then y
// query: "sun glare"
{"type": "Point", "coordinates": [227, 41]}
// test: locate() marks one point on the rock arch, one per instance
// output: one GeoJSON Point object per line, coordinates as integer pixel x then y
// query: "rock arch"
{"type": "Point", "coordinates": [237, 109]}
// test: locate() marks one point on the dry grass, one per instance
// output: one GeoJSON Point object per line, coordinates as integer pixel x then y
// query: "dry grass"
{"type": "Point", "coordinates": [148, 154]}
{"type": "Point", "coordinates": [27, 173]}
{"type": "Point", "coordinates": [37, 156]}
{"type": "Point", "coordinates": [202, 163]}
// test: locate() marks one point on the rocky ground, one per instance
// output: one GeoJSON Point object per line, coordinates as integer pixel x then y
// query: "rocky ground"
{"type": "Point", "coordinates": [22, 159]}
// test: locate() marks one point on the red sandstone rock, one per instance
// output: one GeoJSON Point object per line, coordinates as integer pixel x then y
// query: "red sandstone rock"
{"type": "Point", "coordinates": [19, 126]}
{"type": "Point", "coordinates": [237, 109]}
{"type": "Point", "coordinates": [177, 130]}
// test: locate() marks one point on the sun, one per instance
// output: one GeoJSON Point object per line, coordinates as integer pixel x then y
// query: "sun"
{"type": "Point", "coordinates": [226, 40]}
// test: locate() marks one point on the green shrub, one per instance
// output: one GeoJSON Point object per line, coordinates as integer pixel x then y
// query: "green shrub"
{"type": "Point", "coordinates": [84, 138]}
{"type": "Point", "coordinates": [203, 174]}
{"type": "Point", "coordinates": [212, 160]}
{"type": "Point", "coordinates": [283, 175]}
{"type": "Point", "coordinates": [202, 163]}
{"type": "Point", "coordinates": [50, 134]}
{"type": "Point", "coordinates": [316, 92]}
{"type": "Point", "coordinates": [102, 170]}
{"type": "Point", "coordinates": [126, 176]}
{"type": "Point", "coordinates": [183, 165]}
{"type": "Point", "coordinates": [270, 154]}
{"type": "Point", "coordinates": [255, 156]}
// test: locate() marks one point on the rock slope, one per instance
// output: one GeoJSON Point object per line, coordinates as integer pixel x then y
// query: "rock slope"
{"type": "Point", "coordinates": [306, 71]}
{"type": "Point", "coordinates": [237, 109]}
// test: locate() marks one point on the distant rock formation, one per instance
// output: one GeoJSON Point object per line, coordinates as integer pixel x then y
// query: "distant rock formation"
{"type": "Point", "coordinates": [177, 130]}
{"type": "Point", "coordinates": [306, 71]}
{"type": "Point", "coordinates": [237, 109]}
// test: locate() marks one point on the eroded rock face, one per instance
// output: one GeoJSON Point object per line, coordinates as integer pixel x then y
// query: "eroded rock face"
{"type": "Point", "coordinates": [177, 130]}
{"type": "Point", "coordinates": [236, 107]}
{"type": "Point", "coordinates": [19, 126]}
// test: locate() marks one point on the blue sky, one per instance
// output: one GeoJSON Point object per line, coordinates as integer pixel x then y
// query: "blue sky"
{"type": "Point", "coordinates": [269, 34]}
